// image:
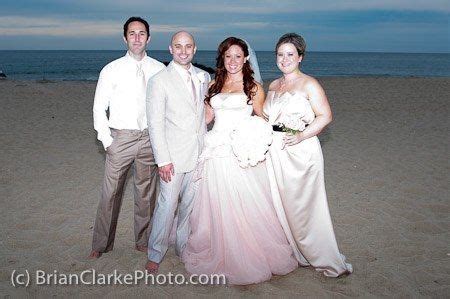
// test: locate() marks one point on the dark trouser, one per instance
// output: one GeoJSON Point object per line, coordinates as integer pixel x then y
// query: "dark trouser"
{"type": "Point", "coordinates": [129, 148]}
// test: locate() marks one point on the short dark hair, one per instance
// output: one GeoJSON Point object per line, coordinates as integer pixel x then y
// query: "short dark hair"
{"type": "Point", "coordinates": [135, 19]}
{"type": "Point", "coordinates": [294, 39]}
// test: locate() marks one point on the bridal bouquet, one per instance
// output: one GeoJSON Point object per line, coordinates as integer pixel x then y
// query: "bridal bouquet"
{"type": "Point", "coordinates": [250, 141]}
{"type": "Point", "coordinates": [292, 123]}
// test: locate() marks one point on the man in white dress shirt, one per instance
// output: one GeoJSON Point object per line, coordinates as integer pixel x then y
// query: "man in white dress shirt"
{"type": "Point", "coordinates": [176, 121]}
{"type": "Point", "coordinates": [121, 88]}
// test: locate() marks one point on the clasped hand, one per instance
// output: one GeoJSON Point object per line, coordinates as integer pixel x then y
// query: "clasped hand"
{"type": "Point", "coordinates": [166, 172]}
{"type": "Point", "coordinates": [292, 139]}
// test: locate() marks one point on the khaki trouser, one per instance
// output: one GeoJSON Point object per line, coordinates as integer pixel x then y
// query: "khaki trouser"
{"type": "Point", "coordinates": [129, 148]}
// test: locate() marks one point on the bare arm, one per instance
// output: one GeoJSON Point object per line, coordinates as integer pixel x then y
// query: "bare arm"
{"type": "Point", "coordinates": [209, 114]}
{"type": "Point", "coordinates": [258, 100]}
{"type": "Point", "coordinates": [322, 110]}
{"type": "Point", "coordinates": [209, 111]}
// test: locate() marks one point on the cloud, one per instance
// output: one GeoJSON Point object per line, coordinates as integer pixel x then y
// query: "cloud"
{"type": "Point", "coordinates": [271, 6]}
{"type": "Point", "coordinates": [13, 25]}
{"type": "Point", "coordinates": [180, 8]}
{"type": "Point", "coordinates": [250, 25]}
{"type": "Point", "coordinates": [175, 28]}
{"type": "Point", "coordinates": [87, 24]}
{"type": "Point", "coordinates": [21, 26]}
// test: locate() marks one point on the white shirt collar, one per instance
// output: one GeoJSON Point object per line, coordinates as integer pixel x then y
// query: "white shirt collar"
{"type": "Point", "coordinates": [182, 71]}
{"type": "Point", "coordinates": [137, 61]}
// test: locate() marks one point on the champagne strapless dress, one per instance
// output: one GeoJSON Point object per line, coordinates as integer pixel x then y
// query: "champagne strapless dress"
{"type": "Point", "coordinates": [296, 175]}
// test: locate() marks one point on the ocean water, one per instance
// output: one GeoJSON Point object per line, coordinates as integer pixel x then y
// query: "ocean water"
{"type": "Point", "coordinates": [86, 65]}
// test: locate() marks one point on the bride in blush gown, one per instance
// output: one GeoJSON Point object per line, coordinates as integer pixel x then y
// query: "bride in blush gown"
{"type": "Point", "coordinates": [234, 227]}
{"type": "Point", "coordinates": [295, 162]}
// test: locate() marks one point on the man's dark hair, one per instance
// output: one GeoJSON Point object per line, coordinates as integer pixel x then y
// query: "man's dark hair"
{"type": "Point", "coordinates": [135, 19]}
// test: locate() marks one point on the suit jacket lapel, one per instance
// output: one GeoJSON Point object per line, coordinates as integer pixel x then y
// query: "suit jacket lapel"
{"type": "Point", "coordinates": [180, 86]}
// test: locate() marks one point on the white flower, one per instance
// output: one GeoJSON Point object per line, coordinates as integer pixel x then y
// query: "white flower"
{"type": "Point", "coordinates": [292, 122]}
{"type": "Point", "coordinates": [201, 77]}
{"type": "Point", "coordinates": [214, 139]}
{"type": "Point", "coordinates": [250, 141]}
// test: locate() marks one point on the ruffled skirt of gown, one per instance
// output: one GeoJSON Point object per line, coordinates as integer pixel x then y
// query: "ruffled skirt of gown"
{"type": "Point", "coordinates": [234, 227]}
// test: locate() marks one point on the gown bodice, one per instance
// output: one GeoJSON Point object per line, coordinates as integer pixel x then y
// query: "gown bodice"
{"type": "Point", "coordinates": [279, 106]}
{"type": "Point", "coordinates": [229, 109]}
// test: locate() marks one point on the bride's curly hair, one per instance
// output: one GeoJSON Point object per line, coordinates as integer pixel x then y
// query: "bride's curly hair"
{"type": "Point", "coordinates": [221, 72]}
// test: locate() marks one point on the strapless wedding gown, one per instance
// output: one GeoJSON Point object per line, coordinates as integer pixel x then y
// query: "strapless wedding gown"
{"type": "Point", "coordinates": [234, 227]}
{"type": "Point", "coordinates": [296, 175]}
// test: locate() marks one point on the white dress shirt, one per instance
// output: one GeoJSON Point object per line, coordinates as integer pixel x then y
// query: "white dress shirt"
{"type": "Point", "coordinates": [121, 87]}
{"type": "Point", "coordinates": [185, 76]}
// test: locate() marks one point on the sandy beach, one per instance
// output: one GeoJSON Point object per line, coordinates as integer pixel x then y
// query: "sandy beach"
{"type": "Point", "coordinates": [386, 158]}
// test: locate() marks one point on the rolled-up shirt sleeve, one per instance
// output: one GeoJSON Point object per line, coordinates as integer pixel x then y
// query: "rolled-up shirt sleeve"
{"type": "Point", "coordinates": [101, 104]}
{"type": "Point", "coordinates": [161, 164]}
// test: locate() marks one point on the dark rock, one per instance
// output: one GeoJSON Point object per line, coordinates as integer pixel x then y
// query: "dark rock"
{"type": "Point", "coordinates": [45, 81]}
{"type": "Point", "coordinates": [205, 68]}
{"type": "Point", "coordinates": [200, 66]}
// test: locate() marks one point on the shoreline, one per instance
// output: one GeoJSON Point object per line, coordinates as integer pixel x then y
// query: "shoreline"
{"type": "Point", "coordinates": [7, 79]}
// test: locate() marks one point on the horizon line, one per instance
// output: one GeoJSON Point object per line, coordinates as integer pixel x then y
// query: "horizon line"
{"type": "Point", "coordinates": [166, 50]}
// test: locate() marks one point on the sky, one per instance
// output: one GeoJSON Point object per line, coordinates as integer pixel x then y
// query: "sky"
{"type": "Point", "coordinates": [416, 26]}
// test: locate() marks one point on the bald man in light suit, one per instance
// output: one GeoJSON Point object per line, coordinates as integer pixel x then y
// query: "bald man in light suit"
{"type": "Point", "coordinates": [176, 121]}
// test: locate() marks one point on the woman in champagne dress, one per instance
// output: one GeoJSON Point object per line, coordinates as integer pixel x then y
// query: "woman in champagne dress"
{"type": "Point", "coordinates": [234, 227]}
{"type": "Point", "coordinates": [297, 104]}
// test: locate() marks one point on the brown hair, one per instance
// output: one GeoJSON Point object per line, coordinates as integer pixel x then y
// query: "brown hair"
{"type": "Point", "coordinates": [294, 39]}
{"type": "Point", "coordinates": [135, 19]}
{"type": "Point", "coordinates": [221, 72]}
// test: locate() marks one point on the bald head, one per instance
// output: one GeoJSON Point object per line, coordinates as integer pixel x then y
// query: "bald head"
{"type": "Point", "coordinates": [183, 48]}
{"type": "Point", "coordinates": [182, 35]}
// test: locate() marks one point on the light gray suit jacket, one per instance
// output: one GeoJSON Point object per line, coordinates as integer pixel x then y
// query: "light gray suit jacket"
{"type": "Point", "coordinates": [176, 125]}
